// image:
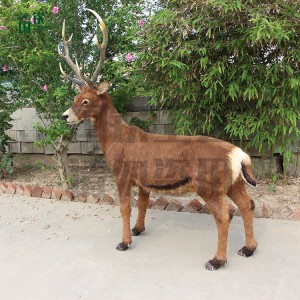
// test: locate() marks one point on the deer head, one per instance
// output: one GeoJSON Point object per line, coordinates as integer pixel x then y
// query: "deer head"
{"type": "Point", "coordinates": [88, 102]}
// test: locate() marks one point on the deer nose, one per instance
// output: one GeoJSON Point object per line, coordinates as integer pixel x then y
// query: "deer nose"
{"type": "Point", "coordinates": [65, 116]}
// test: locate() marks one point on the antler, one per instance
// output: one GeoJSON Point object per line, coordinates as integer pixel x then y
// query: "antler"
{"type": "Point", "coordinates": [102, 47]}
{"type": "Point", "coordinates": [82, 80]}
{"type": "Point", "coordinates": [68, 60]}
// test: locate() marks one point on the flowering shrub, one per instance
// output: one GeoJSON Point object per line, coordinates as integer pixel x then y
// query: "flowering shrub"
{"type": "Point", "coordinates": [35, 60]}
{"type": "Point", "coordinates": [55, 9]}
{"type": "Point", "coordinates": [129, 57]}
{"type": "Point", "coordinates": [141, 23]}
{"type": "Point", "coordinates": [5, 68]}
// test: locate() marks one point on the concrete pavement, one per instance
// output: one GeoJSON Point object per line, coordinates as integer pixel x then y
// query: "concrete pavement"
{"type": "Point", "coordinates": [66, 250]}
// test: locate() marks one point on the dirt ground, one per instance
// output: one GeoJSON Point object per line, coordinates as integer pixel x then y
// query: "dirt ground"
{"type": "Point", "coordinates": [98, 179]}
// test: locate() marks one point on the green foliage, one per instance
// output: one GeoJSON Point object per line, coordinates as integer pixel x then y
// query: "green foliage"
{"type": "Point", "coordinates": [6, 160]}
{"type": "Point", "coordinates": [227, 68]}
{"type": "Point", "coordinates": [143, 124]}
{"type": "Point", "coordinates": [34, 59]}
{"type": "Point", "coordinates": [7, 106]}
{"type": "Point", "coordinates": [70, 178]}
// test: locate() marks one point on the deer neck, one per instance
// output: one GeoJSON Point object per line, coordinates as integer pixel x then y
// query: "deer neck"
{"type": "Point", "coordinates": [109, 127]}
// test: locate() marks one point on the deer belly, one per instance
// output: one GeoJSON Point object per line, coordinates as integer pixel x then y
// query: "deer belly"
{"type": "Point", "coordinates": [178, 187]}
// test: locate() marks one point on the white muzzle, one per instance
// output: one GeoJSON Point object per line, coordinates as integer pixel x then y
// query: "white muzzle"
{"type": "Point", "coordinates": [70, 117]}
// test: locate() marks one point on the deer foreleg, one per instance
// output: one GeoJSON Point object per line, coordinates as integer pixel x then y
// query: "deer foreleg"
{"type": "Point", "coordinates": [125, 209]}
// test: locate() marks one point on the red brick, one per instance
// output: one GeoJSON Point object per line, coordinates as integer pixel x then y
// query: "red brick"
{"type": "Point", "coordinates": [133, 202]}
{"type": "Point", "coordinates": [282, 212]}
{"type": "Point", "coordinates": [237, 213]}
{"type": "Point", "coordinates": [37, 191]}
{"type": "Point", "coordinates": [150, 203]}
{"type": "Point", "coordinates": [80, 197]}
{"type": "Point", "coordinates": [258, 210]}
{"type": "Point", "coordinates": [266, 210]}
{"type": "Point", "coordinates": [161, 203]}
{"type": "Point", "coordinates": [193, 206]}
{"type": "Point", "coordinates": [27, 190]}
{"type": "Point", "coordinates": [56, 194]}
{"type": "Point", "coordinates": [3, 186]}
{"type": "Point", "coordinates": [67, 196]}
{"type": "Point", "coordinates": [231, 209]}
{"type": "Point", "coordinates": [94, 198]}
{"type": "Point", "coordinates": [295, 215]}
{"type": "Point", "coordinates": [11, 188]}
{"type": "Point", "coordinates": [47, 192]}
{"type": "Point", "coordinates": [108, 200]}
{"type": "Point", "coordinates": [205, 210]}
{"type": "Point", "coordinates": [174, 205]}
{"type": "Point", "coordinates": [20, 189]}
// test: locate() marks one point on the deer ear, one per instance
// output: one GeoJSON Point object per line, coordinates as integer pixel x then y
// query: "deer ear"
{"type": "Point", "coordinates": [103, 87]}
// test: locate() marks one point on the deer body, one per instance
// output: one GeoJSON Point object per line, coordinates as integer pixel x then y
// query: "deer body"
{"type": "Point", "coordinates": [209, 167]}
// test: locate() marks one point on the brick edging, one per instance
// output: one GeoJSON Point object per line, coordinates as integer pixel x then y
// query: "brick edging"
{"type": "Point", "coordinates": [193, 206]}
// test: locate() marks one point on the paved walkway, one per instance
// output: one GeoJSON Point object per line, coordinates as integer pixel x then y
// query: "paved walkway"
{"type": "Point", "coordinates": [67, 251]}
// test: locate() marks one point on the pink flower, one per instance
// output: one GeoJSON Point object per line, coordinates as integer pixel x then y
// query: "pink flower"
{"type": "Point", "coordinates": [141, 23]}
{"type": "Point", "coordinates": [32, 20]}
{"type": "Point", "coordinates": [129, 57]}
{"type": "Point", "coordinates": [55, 9]}
{"type": "Point", "coordinates": [3, 27]}
{"type": "Point", "coordinates": [5, 68]}
{"type": "Point", "coordinates": [45, 88]}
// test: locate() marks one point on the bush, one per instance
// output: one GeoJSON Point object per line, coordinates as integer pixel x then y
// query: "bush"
{"type": "Point", "coordinates": [227, 68]}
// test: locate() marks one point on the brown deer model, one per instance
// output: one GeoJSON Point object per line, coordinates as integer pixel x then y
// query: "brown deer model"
{"type": "Point", "coordinates": [166, 164]}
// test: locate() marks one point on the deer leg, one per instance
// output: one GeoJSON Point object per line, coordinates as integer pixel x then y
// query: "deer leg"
{"type": "Point", "coordinates": [143, 202]}
{"type": "Point", "coordinates": [125, 208]}
{"type": "Point", "coordinates": [219, 209]}
{"type": "Point", "coordinates": [237, 193]}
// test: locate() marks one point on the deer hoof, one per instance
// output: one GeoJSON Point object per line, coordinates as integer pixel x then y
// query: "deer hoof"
{"type": "Point", "coordinates": [246, 252]}
{"type": "Point", "coordinates": [136, 232]}
{"type": "Point", "coordinates": [213, 265]}
{"type": "Point", "coordinates": [122, 247]}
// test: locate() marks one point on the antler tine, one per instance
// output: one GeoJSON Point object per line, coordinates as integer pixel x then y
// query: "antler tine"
{"type": "Point", "coordinates": [75, 80]}
{"type": "Point", "coordinates": [81, 79]}
{"type": "Point", "coordinates": [101, 47]}
{"type": "Point", "coordinates": [69, 40]}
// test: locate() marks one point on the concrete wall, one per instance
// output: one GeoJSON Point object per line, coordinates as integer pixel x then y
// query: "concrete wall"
{"type": "Point", "coordinates": [83, 142]}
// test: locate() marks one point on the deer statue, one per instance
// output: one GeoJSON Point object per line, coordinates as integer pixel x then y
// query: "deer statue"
{"type": "Point", "coordinates": [167, 164]}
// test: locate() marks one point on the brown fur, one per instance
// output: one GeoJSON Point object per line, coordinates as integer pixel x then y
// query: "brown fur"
{"type": "Point", "coordinates": [167, 164]}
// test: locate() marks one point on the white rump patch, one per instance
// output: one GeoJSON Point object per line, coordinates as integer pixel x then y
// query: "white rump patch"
{"type": "Point", "coordinates": [237, 156]}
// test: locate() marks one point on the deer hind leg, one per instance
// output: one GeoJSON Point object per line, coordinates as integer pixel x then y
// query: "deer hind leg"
{"type": "Point", "coordinates": [237, 193]}
{"type": "Point", "coordinates": [219, 209]}
{"type": "Point", "coordinates": [125, 208]}
{"type": "Point", "coordinates": [143, 202]}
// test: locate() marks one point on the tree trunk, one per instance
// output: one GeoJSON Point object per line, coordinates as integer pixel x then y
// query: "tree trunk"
{"type": "Point", "coordinates": [1, 171]}
{"type": "Point", "coordinates": [61, 158]}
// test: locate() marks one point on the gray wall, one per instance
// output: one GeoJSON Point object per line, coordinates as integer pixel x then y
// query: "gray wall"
{"type": "Point", "coordinates": [84, 141]}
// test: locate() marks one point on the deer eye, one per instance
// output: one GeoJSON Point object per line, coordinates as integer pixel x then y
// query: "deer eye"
{"type": "Point", "coordinates": [85, 102]}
